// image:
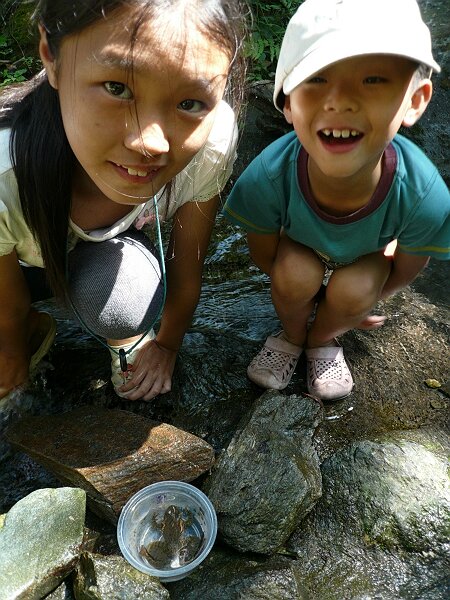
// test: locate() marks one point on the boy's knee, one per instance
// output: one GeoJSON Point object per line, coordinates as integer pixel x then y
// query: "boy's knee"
{"type": "Point", "coordinates": [355, 295]}
{"type": "Point", "coordinates": [296, 273]}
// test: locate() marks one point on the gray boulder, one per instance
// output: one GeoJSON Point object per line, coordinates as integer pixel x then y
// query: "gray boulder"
{"type": "Point", "coordinates": [40, 542]}
{"type": "Point", "coordinates": [381, 528]}
{"type": "Point", "coordinates": [268, 478]}
{"type": "Point", "coordinates": [225, 576]}
{"type": "Point", "coordinates": [112, 578]}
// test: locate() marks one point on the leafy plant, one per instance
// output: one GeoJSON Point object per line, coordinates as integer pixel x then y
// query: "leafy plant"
{"type": "Point", "coordinates": [269, 24]}
{"type": "Point", "coordinates": [270, 19]}
{"type": "Point", "coordinates": [18, 60]}
{"type": "Point", "coordinates": [7, 77]}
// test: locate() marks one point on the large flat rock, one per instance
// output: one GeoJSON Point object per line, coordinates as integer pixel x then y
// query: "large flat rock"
{"type": "Point", "coordinates": [111, 453]}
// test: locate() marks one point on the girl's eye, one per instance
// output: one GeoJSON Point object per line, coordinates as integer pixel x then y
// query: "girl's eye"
{"type": "Point", "coordinates": [192, 106]}
{"type": "Point", "coordinates": [374, 79]}
{"type": "Point", "coordinates": [120, 90]}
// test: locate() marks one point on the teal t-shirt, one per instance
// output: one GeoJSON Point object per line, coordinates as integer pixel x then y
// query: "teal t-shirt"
{"type": "Point", "coordinates": [411, 204]}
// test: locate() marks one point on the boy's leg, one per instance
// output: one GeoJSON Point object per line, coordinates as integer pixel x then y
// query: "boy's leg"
{"type": "Point", "coordinates": [351, 294]}
{"type": "Point", "coordinates": [296, 277]}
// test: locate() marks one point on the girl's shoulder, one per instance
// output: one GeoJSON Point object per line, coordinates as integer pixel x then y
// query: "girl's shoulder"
{"type": "Point", "coordinates": [5, 157]}
{"type": "Point", "coordinates": [209, 170]}
{"type": "Point", "coordinates": [224, 130]}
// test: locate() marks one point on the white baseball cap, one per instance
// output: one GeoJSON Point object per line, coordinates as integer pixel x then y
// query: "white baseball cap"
{"type": "Point", "coordinates": [323, 32]}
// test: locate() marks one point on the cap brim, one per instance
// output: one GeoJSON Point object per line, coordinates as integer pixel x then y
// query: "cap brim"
{"type": "Point", "coordinates": [321, 58]}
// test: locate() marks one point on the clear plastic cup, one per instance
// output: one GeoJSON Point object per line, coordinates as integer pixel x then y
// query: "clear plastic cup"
{"type": "Point", "coordinates": [151, 520]}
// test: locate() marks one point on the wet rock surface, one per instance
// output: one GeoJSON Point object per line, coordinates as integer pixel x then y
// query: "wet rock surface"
{"type": "Point", "coordinates": [268, 478]}
{"type": "Point", "coordinates": [112, 578]}
{"type": "Point", "coordinates": [40, 542]}
{"type": "Point", "coordinates": [110, 453]}
{"type": "Point", "coordinates": [225, 577]}
{"type": "Point", "coordinates": [382, 521]}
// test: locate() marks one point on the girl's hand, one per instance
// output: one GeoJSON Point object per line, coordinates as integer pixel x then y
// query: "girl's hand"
{"type": "Point", "coordinates": [151, 373]}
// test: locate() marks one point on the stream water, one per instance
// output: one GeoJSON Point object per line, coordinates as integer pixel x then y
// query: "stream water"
{"type": "Point", "coordinates": [235, 308]}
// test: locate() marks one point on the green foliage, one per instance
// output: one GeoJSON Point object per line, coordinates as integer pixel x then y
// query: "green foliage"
{"type": "Point", "coordinates": [18, 57]}
{"type": "Point", "coordinates": [18, 60]}
{"type": "Point", "coordinates": [269, 24]}
{"type": "Point", "coordinates": [13, 69]}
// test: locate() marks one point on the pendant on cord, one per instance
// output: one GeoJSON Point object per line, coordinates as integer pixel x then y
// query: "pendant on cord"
{"type": "Point", "coordinates": [123, 361]}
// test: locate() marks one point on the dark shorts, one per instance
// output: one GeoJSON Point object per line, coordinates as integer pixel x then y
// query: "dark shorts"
{"type": "Point", "coordinates": [329, 265]}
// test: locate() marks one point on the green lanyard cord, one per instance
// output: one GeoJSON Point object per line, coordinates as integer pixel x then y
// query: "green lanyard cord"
{"type": "Point", "coordinates": [121, 352]}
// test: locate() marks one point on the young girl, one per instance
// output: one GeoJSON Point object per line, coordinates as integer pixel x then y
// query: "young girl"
{"type": "Point", "coordinates": [125, 125]}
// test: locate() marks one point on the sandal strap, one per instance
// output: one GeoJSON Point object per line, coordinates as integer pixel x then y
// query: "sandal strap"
{"type": "Point", "coordinates": [46, 343]}
{"type": "Point", "coordinates": [279, 344]}
{"type": "Point", "coordinates": [117, 377]}
{"type": "Point", "coordinates": [331, 353]}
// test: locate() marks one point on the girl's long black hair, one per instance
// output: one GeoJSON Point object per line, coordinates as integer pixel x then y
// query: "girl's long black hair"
{"type": "Point", "coordinates": [42, 158]}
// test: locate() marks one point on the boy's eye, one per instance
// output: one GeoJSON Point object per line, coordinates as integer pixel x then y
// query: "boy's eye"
{"type": "Point", "coordinates": [316, 79]}
{"type": "Point", "coordinates": [120, 90]}
{"type": "Point", "coordinates": [192, 106]}
{"type": "Point", "coordinates": [374, 79]}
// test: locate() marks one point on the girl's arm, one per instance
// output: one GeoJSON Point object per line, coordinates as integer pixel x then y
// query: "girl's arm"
{"type": "Point", "coordinates": [191, 232]}
{"type": "Point", "coordinates": [405, 268]}
{"type": "Point", "coordinates": [14, 325]}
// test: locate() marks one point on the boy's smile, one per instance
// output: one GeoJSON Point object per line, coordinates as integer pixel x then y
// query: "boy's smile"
{"type": "Point", "coordinates": [339, 140]}
{"type": "Point", "coordinates": [347, 114]}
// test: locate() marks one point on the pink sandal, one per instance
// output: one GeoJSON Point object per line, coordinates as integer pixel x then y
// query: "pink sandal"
{"type": "Point", "coordinates": [327, 374]}
{"type": "Point", "coordinates": [275, 363]}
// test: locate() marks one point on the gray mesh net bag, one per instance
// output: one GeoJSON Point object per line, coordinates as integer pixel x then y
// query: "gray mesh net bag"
{"type": "Point", "coordinates": [116, 286]}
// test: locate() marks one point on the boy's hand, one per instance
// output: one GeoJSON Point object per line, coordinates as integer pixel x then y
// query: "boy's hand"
{"type": "Point", "coordinates": [372, 322]}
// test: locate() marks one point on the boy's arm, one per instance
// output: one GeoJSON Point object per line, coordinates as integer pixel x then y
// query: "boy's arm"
{"type": "Point", "coordinates": [263, 249]}
{"type": "Point", "coordinates": [405, 268]}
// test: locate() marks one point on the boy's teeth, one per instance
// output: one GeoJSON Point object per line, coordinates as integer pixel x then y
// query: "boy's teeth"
{"type": "Point", "coordinates": [338, 133]}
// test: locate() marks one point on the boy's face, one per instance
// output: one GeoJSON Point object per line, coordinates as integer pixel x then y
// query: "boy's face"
{"type": "Point", "coordinates": [347, 114]}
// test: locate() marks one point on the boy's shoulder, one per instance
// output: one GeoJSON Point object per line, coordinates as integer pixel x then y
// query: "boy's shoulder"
{"type": "Point", "coordinates": [417, 177]}
{"type": "Point", "coordinates": [278, 155]}
{"type": "Point", "coordinates": [412, 161]}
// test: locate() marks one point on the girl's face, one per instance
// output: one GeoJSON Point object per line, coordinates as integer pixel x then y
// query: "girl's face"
{"type": "Point", "coordinates": [133, 128]}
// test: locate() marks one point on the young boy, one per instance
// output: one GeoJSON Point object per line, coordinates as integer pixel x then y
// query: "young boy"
{"type": "Point", "coordinates": [326, 199]}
